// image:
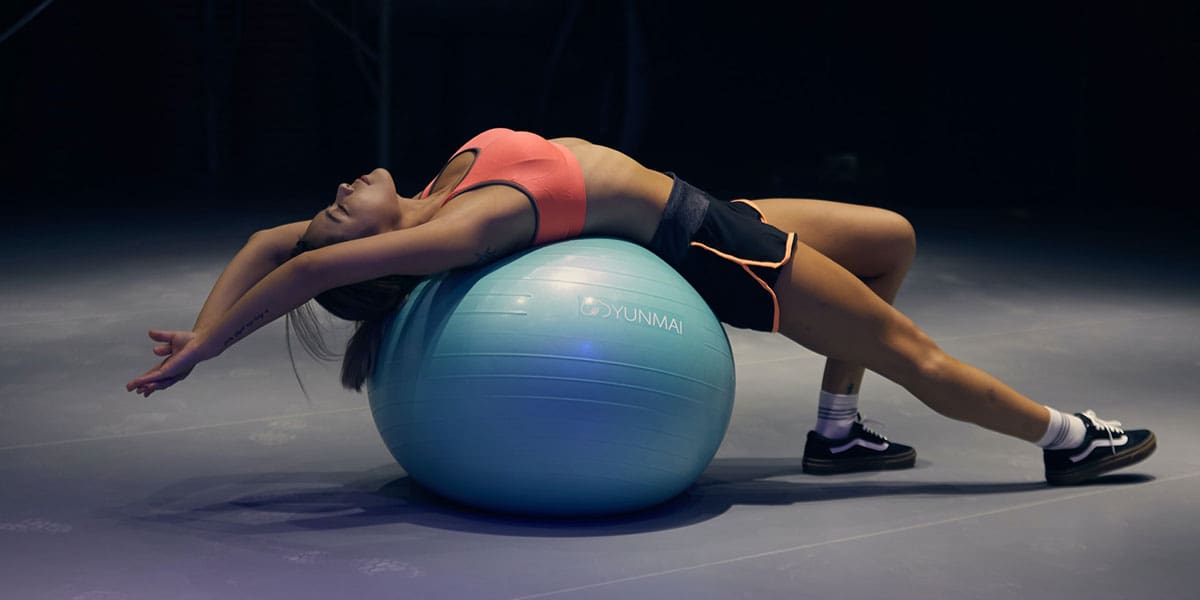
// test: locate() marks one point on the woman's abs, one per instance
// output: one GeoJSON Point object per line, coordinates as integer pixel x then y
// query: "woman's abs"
{"type": "Point", "coordinates": [624, 199]}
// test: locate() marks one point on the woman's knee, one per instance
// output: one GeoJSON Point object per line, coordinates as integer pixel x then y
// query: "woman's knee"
{"type": "Point", "coordinates": [923, 369]}
{"type": "Point", "coordinates": [901, 236]}
{"type": "Point", "coordinates": [933, 364]}
{"type": "Point", "coordinates": [888, 246]}
{"type": "Point", "coordinates": [914, 357]}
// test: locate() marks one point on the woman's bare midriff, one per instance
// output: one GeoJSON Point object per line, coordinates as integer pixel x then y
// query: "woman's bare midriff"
{"type": "Point", "coordinates": [625, 199]}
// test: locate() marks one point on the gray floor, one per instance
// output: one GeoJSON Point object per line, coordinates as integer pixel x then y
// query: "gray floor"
{"type": "Point", "coordinates": [234, 486]}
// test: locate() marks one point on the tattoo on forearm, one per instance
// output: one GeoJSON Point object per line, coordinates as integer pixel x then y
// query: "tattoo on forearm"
{"type": "Point", "coordinates": [238, 334]}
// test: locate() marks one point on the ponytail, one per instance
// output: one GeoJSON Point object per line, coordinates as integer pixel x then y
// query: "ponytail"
{"type": "Point", "coordinates": [369, 303]}
{"type": "Point", "coordinates": [361, 352]}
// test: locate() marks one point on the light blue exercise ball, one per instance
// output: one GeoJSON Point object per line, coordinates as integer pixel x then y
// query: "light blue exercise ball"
{"type": "Point", "coordinates": [580, 378]}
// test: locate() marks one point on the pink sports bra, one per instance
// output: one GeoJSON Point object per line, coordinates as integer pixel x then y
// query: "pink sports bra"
{"type": "Point", "coordinates": [546, 172]}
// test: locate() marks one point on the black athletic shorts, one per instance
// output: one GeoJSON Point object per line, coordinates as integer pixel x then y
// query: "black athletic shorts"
{"type": "Point", "coordinates": [727, 251]}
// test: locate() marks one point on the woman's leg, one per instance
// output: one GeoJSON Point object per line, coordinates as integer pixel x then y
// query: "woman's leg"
{"type": "Point", "coordinates": [875, 245]}
{"type": "Point", "coordinates": [828, 309]}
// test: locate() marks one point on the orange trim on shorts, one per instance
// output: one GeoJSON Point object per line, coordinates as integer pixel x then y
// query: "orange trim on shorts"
{"type": "Point", "coordinates": [746, 264]}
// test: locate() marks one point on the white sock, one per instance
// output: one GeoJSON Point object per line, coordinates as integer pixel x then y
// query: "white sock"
{"type": "Point", "coordinates": [1065, 431]}
{"type": "Point", "coordinates": [836, 414]}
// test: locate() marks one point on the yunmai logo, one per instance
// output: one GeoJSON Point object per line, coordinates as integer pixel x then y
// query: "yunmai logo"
{"type": "Point", "coordinates": [600, 308]}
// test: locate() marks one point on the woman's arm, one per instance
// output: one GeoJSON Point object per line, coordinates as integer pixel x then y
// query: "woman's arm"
{"type": "Point", "coordinates": [429, 248]}
{"type": "Point", "coordinates": [263, 253]}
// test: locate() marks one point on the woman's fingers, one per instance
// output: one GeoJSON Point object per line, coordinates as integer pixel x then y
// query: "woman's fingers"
{"type": "Point", "coordinates": [152, 387]}
{"type": "Point", "coordinates": [166, 337]}
{"type": "Point", "coordinates": [172, 369]}
{"type": "Point", "coordinates": [144, 385]}
{"type": "Point", "coordinates": [181, 356]}
{"type": "Point", "coordinates": [161, 372]}
{"type": "Point", "coordinates": [148, 389]}
{"type": "Point", "coordinates": [169, 337]}
{"type": "Point", "coordinates": [142, 381]}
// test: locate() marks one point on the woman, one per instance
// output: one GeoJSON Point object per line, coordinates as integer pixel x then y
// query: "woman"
{"type": "Point", "coordinates": [822, 273]}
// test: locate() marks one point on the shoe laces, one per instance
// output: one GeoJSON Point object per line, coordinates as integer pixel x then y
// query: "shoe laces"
{"type": "Point", "coordinates": [1109, 427]}
{"type": "Point", "coordinates": [858, 418]}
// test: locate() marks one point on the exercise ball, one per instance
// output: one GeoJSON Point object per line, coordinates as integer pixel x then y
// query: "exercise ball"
{"type": "Point", "coordinates": [580, 378]}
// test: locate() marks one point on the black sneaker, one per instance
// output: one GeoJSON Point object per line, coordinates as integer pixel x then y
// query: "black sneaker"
{"type": "Point", "coordinates": [862, 450]}
{"type": "Point", "coordinates": [1106, 447]}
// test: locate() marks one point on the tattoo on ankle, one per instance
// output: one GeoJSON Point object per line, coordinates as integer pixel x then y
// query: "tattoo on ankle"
{"type": "Point", "coordinates": [850, 389]}
{"type": "Point", "coordinates": [238, 334]}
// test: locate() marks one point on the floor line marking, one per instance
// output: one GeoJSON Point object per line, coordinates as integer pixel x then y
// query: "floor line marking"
{"type": "Point", "coordinates": [851, 538]}
{"type": "Point", "coordinates": [120, 436]}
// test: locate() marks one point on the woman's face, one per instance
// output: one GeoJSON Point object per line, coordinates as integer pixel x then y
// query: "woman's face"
{"type": "Point", "coordinates": [367, 206]}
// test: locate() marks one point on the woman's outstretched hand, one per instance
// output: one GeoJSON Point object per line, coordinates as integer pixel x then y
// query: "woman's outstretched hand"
{"type": "Point", "coordinates": [182, 350]}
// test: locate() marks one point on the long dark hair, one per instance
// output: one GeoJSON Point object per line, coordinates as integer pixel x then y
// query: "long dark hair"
{"type": "Point", "coordinates": [369, 303]}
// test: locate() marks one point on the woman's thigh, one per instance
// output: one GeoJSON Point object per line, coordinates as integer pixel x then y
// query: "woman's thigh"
{"type": "Point", "coordinates": [865, 240]}
{"type": "Point", "coordinates": [827, 309]}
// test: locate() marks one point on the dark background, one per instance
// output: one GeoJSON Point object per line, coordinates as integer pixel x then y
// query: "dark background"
{"type": "Point", "coordinates": [1052, 112]}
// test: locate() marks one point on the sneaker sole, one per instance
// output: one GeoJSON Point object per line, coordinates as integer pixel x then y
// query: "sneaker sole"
{"type": "Point", "coordinates": [821, 466]}
{"type": "Point", "coordinates": [1110, 463]}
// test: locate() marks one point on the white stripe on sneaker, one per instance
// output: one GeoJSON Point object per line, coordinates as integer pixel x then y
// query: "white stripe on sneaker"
{"type": "Point", "coordinates": [860, 442]}
{"type": "Point", "coordinates": [1100, 443]}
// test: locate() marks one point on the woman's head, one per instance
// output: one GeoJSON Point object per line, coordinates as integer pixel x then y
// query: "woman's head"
{"type": "Point", "coordinates": [367, 206]}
